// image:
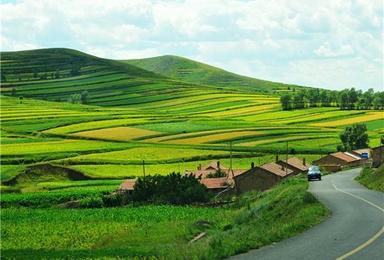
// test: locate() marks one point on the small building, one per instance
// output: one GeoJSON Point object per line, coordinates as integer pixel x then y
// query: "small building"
{"type": "Point", "coordinates": [295, 164]}
{"type": "Point", "coordinates": [212, 168]}
{"type": "Point", "coordinates": [216, 185]}
{"type": "Point", "coordinates": [378, 156]}
{"type": "Point", "coordinates": [336, 161]}
{"type": "Point", "coordinates": [261, 178]}
{"type": "Point", "coordinates": [127, 185]}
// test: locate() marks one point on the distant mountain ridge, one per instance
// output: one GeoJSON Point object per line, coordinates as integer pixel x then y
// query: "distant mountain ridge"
{"type": "Point", "coordinates": [191, 71]}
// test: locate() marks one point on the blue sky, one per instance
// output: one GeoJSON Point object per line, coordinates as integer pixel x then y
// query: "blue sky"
{"type": "Point", "coordinates": [333, 44]}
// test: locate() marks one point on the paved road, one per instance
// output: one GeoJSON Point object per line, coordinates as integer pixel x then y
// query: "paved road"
{"type": "Point", "coordinates": [357, 216]}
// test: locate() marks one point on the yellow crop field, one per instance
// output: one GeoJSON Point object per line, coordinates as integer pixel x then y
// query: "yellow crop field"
{"type": "Point", "coordinates": [215, 137]}
{"type": "Point", "coordinates": [352, 120]}
{"type": "Point", "coordinates": [95, 125]}
{"type": "Point", "coordinates": [117, 133]}
{"type": "Point", "coordinates": [278, 139]}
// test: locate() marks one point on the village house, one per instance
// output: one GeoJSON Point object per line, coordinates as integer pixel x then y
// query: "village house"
{"type": "Point", "coordinates": [294, 164]}
{"type": "Point", "coordinates": [336, 161]}
{"type": "Point", "coordinates": [378, 156]}
{"type": "Point", "coordinates": [213, 168]}
{"type": "Point", "coordinates": [261, 178]}
{"type": "Point", "coordinates": [127, 185]}
{"type": "Point", "coordinates": [216, 185]}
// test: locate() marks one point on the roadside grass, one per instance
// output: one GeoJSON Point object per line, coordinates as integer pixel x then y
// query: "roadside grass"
{"type": "Point", "coordinates": [252, 220]}
{"type": "Point", "coordinates": [372, 178]}
{"type": "Point", "coordinates": [263, 218]}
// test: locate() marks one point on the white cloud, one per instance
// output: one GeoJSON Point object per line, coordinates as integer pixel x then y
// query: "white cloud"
{"type": "Point", "coordinates": [260, 38]}
{"type": "Point", "coordinates": [326, 50]}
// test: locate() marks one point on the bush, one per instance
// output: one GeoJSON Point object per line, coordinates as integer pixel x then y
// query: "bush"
{"type": "Point", "coordinates": [172, 188]}
{"type": "Point", "coordinates": [91, 202]}
{"type": "Point", "coordinates": [115, 200]}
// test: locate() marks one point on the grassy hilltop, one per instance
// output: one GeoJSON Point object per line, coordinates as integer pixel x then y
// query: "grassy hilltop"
{"type": "Point", "coordinates": [199, 73]}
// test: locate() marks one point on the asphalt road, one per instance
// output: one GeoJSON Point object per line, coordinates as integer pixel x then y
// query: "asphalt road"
{"type": "Point", "coordinates": [357, 222]}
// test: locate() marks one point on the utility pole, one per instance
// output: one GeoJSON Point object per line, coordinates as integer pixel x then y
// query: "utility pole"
{"type": "Point", "coordinates": [144, 168]}
{"type": "Point", "coordinates": [286, 160]}
{"type": "Point", "coordinates": [230, 155]}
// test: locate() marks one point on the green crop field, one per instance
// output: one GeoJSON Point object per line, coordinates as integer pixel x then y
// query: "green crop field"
{"type": "Point", "coordinates": [172, 113]}
{"type": "Point", "coordinates": [138, 111]}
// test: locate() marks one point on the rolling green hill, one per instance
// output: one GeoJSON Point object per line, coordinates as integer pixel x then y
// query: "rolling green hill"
{"type": "Point", "coordinates": [199, 73]}
{"type": "Point", "coordinates": [56, 74]}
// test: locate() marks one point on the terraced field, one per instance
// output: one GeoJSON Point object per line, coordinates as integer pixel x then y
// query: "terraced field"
{"type": "Point", "coordinates": [172, 123]}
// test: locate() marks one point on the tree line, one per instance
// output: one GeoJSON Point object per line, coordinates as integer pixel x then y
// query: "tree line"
{"type": "Point", "coordinates": [347, 99]}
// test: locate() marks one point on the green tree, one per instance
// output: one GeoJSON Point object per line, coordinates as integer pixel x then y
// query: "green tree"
{"type": "Point", "coordinates": [313, 97]}
{"type": "Point", "coordinates": [84, 97]}
{"type": "Point", "coordinates": [74, 98]}
{"type": "Point", "coordinates": [325, 98]}
{"type": "Point", "coordinates": [285, 101]}
{"type": "Point", "coordinates": [368, 98]}
{"type": "Point", "coordinates": [344, 99]}
{"type": "Point", "coordinates": [13, 92]}
{"type": "Point", "coordinates": [378, 101]}
{"type": "Point", "coordinates": [298, 100]}
{"type": "Point", "coordinates": [173, 188]}
{"type": "Point", "coordinates": [352, 98]}
{"type": "Point", "coordinates": [355, 137]}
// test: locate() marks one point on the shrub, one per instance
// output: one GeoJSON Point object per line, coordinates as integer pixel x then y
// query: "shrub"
{"type": "Point", "coordinates": [91, 202]}
{"type": "Point", "coordinates": [173, 188]}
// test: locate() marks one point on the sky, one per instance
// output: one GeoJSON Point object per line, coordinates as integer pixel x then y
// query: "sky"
{"type": "Point", "coordinates": [333, 44]}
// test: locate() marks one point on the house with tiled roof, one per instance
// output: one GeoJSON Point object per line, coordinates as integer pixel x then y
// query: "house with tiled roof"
{"type": "Point", "coordinates": [127, 185]}
{"type": "Point", "coordinates": [295, 164]}
{"type": "Point", "coordinates": [261, 178]}
{"type": "Point", "coordinates": [212, 168]}
{"type": "Point", "coordinates": [336, 161]}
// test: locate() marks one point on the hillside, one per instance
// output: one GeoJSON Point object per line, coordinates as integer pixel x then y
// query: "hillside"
{"type": "Point", "coordinates": [199, 73]}
{"type": "Point", "coordinates": [56, 74]}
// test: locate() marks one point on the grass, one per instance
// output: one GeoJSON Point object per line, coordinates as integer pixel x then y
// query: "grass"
{"type": "Point", "coordinates": [372, 178]}
{"type": "Point", "coordinates": [254, 220]}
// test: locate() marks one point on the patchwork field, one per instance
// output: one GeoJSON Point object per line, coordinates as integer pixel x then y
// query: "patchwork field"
{"type": "Point", "coordinates": [73, 126]}
{"type": "Point", "coordinates": [173, 122]}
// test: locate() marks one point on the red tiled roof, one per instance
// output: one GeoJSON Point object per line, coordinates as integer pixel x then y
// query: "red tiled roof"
{"type": "Point", "coordinates": [127, 184]}
{"type": "Point", "coordinates": [345, 157]}
{"type": "Point", "coordinates": [215, 183]}
{"type": "Point", "coordinates": [276, 169]}
{"type": "Point", "coordinates": [203, 173]}
{"type": "Point", "coordinates": [297, 163]}
{"type": "Point", "coordinates": [213, 165]}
